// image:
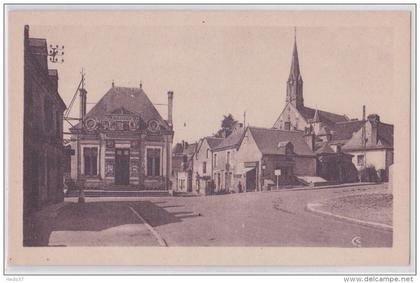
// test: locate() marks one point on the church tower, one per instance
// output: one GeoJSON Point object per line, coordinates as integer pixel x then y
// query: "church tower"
{"type": "Point", "coordinates": [295, 82]}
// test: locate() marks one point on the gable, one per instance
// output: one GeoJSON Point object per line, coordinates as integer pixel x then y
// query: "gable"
{"type": "Point", "coordinates": [293, 112]}
{"type": "Point", "coordinates": [248, 148]}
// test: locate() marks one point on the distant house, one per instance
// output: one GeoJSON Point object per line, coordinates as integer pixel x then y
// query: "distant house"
{"type": "Point", "coordinates": [263, 151]}
{"type": "Point", "coordinates": [184, 165]}
{"type": "Point", "coordinates": [224, 160]}
{"type": "Point", "coordinates": [378, 148]}
{"type": "Point", "coordinates": [203, 164]}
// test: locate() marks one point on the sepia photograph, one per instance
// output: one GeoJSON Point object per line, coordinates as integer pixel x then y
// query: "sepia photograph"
{"type": "Point", "coordinates": [246, 130]}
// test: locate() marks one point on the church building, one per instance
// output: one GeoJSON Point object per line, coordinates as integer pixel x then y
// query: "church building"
{"type": "Point", "coordinates": [336, 137]}
{"type": "Point", "coordinates": [297, 116]}
{"type": "Point", "coordinates": [122, 142]}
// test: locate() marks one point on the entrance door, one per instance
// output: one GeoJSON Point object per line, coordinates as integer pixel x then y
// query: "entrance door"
{"type": "Point", "coordinates": [122, 168]}
{"type": "Point", "coordinates": [251, 180]}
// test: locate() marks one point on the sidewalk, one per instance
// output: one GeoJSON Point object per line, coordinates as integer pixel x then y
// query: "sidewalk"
{"type": "Point", "coordinates": [92, 224]}
{"type": "Point", "coordinates": [369, 209]}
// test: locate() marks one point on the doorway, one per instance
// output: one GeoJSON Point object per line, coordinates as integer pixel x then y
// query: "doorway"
{"type": "Point", "coordinates": [251, 180]}
{"type": "Point", "coordinates": [122, 167]}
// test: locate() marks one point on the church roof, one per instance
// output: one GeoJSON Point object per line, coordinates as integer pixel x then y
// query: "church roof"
{"type": "Point", "coordinates": [120, 100]}
{"type": "Point", "coordinates": [273, 141]}
{"type": "Point", "coordinates": [324, 116]}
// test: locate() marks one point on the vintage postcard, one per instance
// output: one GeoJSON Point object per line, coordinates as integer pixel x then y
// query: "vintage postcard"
{"type": "Point", "coordinates": [208, 136]}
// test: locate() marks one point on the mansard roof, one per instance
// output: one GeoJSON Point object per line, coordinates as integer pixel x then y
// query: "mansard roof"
{"type": "Point", "coordinates": [126, 100]}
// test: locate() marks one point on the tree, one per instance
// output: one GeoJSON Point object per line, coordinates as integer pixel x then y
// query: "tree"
{"type": "Point", "coordinates": [227, 126]}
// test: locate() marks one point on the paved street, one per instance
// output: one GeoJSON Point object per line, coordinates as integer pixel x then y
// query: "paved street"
{"type": "Point", "coordinates": [250, 219]}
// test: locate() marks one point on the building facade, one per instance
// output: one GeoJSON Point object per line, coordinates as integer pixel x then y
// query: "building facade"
{"type": "Point", "coordinates": [183, 174]}
{"type": "Point", "coordinates": [43, 128]}
{"type": "Point", "coordinates": [263, 151]}
{"type": "Point", "coordinates": [203, 165]}
{"type": "Point", "coordinates": [224, 161]}
{"type": "Point", "coordinates": [378, 149]}
{"type": "Point", "coordinates": [123, 142]}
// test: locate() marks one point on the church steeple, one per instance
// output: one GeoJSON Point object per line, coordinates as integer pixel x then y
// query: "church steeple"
{"type": "Point", "coordinates": [295, 82]}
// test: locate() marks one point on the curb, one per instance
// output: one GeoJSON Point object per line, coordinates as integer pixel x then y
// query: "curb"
{"type": "Point", "coordinates": [313, 207]}
{"type": "Point", "coordinates": [309, 188]}
{"type": "Point", "coordinates": [160, 240]}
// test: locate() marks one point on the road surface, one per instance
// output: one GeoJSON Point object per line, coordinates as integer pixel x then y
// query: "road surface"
{"type": "Point", "coordinates": [248, 219]}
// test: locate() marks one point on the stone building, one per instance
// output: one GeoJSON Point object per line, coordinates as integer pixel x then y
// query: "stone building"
{"type": "Point", "coordinates": [203, 164]}
{"type": "Point", "coordinates": [224, 160]}
{"type": "Point", "coordinates": [262, 151]}
{"type": "Point", "coordinates": [43, 128]}
{"type": "Point", "coordinates": [378, 149]}
{"type": "Point", "coordinates": [123, 142]}
{"type": "Point", "coordinates": [183, 166]}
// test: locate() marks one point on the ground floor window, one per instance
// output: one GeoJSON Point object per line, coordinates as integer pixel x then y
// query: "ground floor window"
{"type": "Point", "coordinates": [153, 161]}
{"type": "Point", "coordinates": [90, 161]}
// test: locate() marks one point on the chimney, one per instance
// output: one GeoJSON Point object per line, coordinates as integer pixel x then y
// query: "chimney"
{"type": "Point", "coordinates": [170, 106]}
{"type": "Point", "coordinates": [374, 121]}
{"type": "Point", "coordinates": [26, 35]}
{"type": "Point", "coordinates": [83, 93]}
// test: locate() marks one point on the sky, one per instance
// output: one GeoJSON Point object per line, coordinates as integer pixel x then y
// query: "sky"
{"type": "Point", "coordinates": [215, 70]}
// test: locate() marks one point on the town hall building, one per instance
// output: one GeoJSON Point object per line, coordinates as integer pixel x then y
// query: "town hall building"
{"type": "Point", "coordinates": [122, 142]}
